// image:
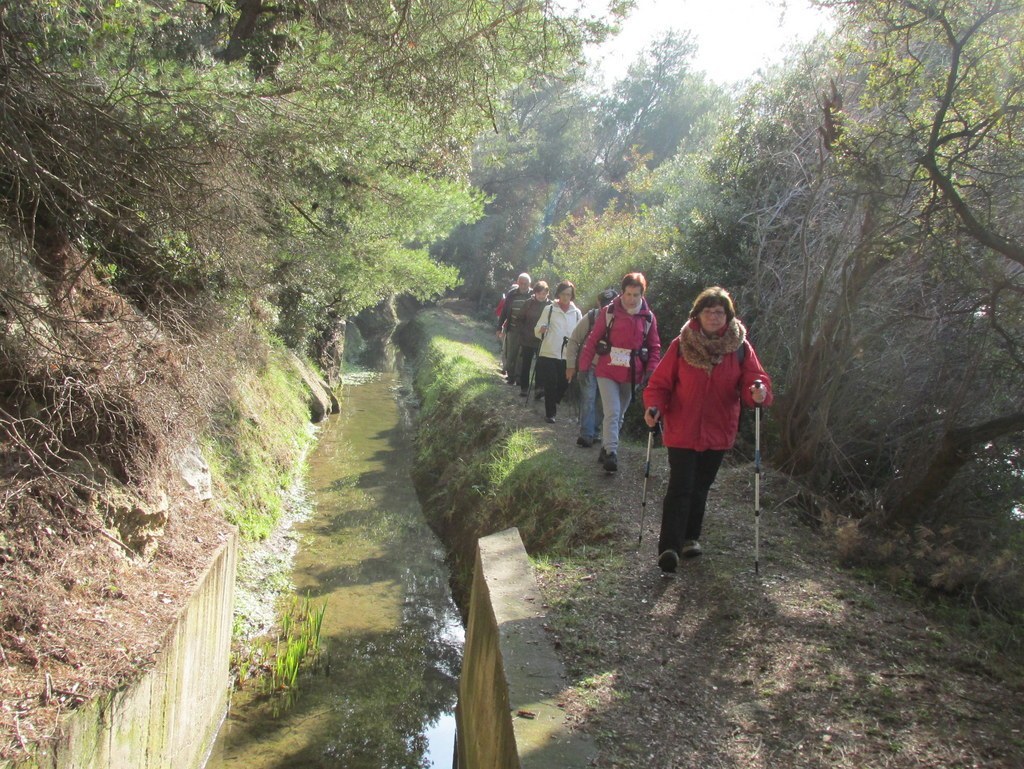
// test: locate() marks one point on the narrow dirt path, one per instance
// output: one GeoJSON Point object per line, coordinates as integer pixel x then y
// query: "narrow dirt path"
{"type": "Point", "coordinates": [803, 665]}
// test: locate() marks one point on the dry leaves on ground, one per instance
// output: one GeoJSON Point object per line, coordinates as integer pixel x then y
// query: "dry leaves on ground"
{"type": "Point", "coordinates": [801, 665]}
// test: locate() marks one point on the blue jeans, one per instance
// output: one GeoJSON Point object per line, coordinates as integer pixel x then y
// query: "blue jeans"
{"type": "Point", "coordinates": [615, 398]}
{"type": "Point", "coordinates": [591, 412]}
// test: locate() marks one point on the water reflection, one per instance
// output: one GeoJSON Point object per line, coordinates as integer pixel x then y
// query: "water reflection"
{"type": "Point", "coordinates": [386, 688]}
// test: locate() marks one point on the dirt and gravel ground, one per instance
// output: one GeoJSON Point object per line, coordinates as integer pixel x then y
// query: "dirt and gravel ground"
{"type": "Point", "coordinates": [804, 664]}
{"type": "Point", "coordinates": [80, 617]}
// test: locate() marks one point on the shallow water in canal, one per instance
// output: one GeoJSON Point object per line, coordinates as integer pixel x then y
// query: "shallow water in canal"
{"type": "Point", "coordinates": [386, 688]}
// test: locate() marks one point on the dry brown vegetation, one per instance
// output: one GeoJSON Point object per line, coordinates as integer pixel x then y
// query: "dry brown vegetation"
{"type": "Point", "coordinates": [80, 616]}
{"type": "Point", "coordinates": [100, 537]}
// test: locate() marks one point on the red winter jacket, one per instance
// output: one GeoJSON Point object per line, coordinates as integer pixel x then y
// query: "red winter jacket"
{"type": "Point", "coordinates": [628, 334]}
{"type": "Point", "coordinates": [701, 411]}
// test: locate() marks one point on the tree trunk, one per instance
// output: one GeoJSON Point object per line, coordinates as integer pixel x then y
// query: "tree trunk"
{"type": "Point", "coordinates": [331, 350]}
{"type": "Point", "coordinates": [249, 16]}
{"type": "Point", "coordinates": [803, 411]}
{"type": "Point", "coordinates": [955, 450]}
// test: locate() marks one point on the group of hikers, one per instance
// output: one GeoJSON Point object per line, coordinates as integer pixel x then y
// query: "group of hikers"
{"type": "Point", "coordinates": [693, 393]}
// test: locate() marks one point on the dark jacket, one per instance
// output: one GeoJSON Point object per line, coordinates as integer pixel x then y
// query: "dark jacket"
{"type": "Point", "coordinates": [530, 316]}
{"type": "Point", "coordinates": [512, 309]}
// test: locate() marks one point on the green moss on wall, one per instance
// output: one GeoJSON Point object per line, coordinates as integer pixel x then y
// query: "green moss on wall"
{"type": "Point", "coordinates": [255, 443]}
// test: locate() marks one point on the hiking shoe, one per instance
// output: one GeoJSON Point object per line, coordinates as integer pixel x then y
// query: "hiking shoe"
{"type": "Point", "coordinates": [611, 462]}
{"type": "Point", "coordinates": [691, 548]}
{"type": "Point", "coordinates": [602, 455]}
{"type": "Point", "coordinates": [523, 394]}
{"type": "Point", "coordinates": [668, 560]}
{"type": "Point", "coordinates": [539, 395]}
{"type": "Point", "coordinates": [585, 443]}
{"type": "Point", "coordinates": [549, 420]}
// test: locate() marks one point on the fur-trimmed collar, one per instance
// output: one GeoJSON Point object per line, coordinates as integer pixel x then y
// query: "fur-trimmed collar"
{"type": "Point", "coordinates": [707, 352]}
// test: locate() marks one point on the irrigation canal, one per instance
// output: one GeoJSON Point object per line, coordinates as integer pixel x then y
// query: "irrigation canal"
{"type": "Point", "coordinates": [384, 691]}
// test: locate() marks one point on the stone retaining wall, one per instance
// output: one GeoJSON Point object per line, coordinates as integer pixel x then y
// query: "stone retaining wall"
{"type": "Point", "coordinates": [169, 718]}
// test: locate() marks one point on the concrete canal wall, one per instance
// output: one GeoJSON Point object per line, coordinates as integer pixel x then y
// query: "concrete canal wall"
{"type": "Point", "coordinates": [169, 718]}
{"type": "Point", "coordinates": [508, 715]}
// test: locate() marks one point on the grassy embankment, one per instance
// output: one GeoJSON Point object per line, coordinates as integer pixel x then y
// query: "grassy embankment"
{"type": "Point", "coordinates": [255, 443]}
{"type": "Point", "coordinates": [255, 448]}
{"type": "Point", "coordinates": [484, 465]}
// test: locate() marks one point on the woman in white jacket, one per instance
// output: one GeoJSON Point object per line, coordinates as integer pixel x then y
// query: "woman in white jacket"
{"type": "Point", "coordinates": [553, 328]}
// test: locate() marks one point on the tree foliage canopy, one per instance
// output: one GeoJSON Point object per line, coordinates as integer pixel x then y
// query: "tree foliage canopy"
{"type": "Point", "coordinates": [860, 202]}
{"type": "Point", "coordinates": [178, 177]}
{"type": "Point", "coordinates": [329, 137]}
{"type": "Point", "coordinates": [567, 151]}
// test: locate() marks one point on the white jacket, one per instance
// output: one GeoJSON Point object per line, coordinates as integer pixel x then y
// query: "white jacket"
{"type": "Point", "coordinates": [559, 325]}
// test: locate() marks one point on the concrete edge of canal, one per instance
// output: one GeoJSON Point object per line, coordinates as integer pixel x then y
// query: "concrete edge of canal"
{"type": "Point", "coordinates": [508, 715]}
{"type": "Point", "coordinates": [168, 718]}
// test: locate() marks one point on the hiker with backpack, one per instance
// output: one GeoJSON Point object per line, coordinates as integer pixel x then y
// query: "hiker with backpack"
{"type": "Point", "coordinates": [553, 329]}
{"type": "Point", "coordinates": [696, 392]}
{"type": "Point", "coordinates": [503, 338]}
{"type": "Point", "coordinates": [591, 413]}
{"type": "Point", "coordinates": [509, 324]}
{"type": "Point", "coordinates": [528, 341]}
{"type": "Point", "coordinates": [625, 341]}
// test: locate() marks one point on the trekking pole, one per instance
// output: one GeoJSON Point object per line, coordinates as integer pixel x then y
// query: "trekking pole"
{"type": "Point", "coordinates": [757, 480]}
{"type": "Point", "coordinates": [532, 381]}
{"type": "Point", "coordinates": [533, 368]}
{"type": "Point", "coordinates": [529, 387]}
{"type": "Point", "coordinates": [647, 475]}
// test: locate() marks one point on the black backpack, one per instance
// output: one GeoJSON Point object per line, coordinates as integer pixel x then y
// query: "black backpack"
{"type": "Point", "coordinates": [590, 316]}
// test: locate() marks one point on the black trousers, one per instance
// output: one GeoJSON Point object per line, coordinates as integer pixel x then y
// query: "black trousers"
{"type": "Point", "coordinates": [551, 376]}
{"type": "Point", "coordinates": [691, 474]}
{"type": "Point", "coordinates": [526, 354]}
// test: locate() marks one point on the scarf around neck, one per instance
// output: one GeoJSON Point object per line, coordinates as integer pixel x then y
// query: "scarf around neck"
{"type": "Point", "coordinates": [706, 352]}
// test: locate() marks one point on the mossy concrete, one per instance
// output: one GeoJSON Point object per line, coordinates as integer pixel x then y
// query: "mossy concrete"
{"type": "Point", "coordinates": [169, 717]}
{"type": "Point", "coordinates": [511, 683]}
{"type": "Point", "coordinates": [321, 397]}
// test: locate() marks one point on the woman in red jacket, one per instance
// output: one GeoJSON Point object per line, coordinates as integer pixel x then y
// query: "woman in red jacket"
{"type": "Point", "coordinates": [697, 390]}
{"type": "Point", "coordinates": [625, 340]}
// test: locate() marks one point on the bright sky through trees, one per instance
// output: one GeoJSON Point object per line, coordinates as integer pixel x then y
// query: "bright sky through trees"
{"type": "Point", "coordinates": [735, 37]}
